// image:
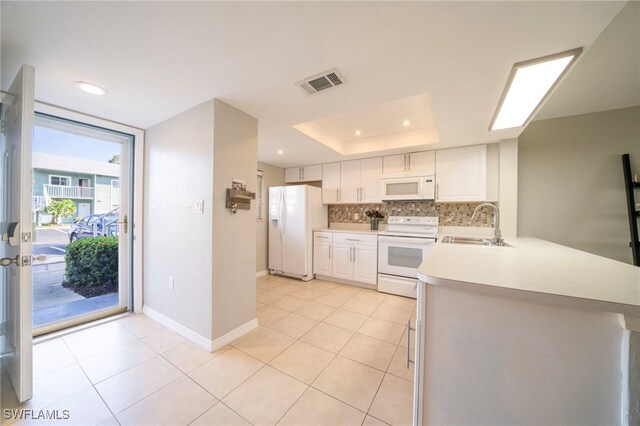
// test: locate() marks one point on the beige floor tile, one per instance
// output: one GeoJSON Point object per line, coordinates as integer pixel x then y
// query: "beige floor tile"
{"type": "Point", "coordinates": [317, 408]}
{"type": "Point", "coordinates": [294, 325]}
{"type": "Point", "coordinates": [288, 303]}
{"type": "Point", "coordinates": [265, 344]}
{"type": "Point", "coordinates": [372, 421]}
{"type": "Point", "coordinates": [370, 296]}
{"type": "Point", "coordinates": [315, 311]}
{"type": "Point", "coordinates": [141, 325]}
{"type": "Point", "coordinates": [383, 330]}
{"type": "Point", "coordinates": [394, 401]}
{"type": "Point", "coordinates": [389, 313]}
{"type": "Point", "coordinates": [334, 299]}
{"type": "Point", "coordinates": [286, 287]}
{"type": "Point", "coordinates": [96, 340]}
{"type": "Point", "coordinates": [267, 296]}
{"type": "Point", "coordinates": [50, 356]}
{"type": "Point", "coordinates": [129, 387]}
{"type": "Point", "coordinates": [220, 415]}
{"type": "Point", "coordinates": [260, 305]}
{"type": "Point", "coordinates": [189, 356]}
{"type": "Point", "coordinates": [265, 397]}
{"type": "Point", "coordinates": [350, 382]}
{"type": "Point", "coordinates": [178, 403]}
{"type": "Point", "coordinates": [399, 302]}
{"type": "Point", "coordinates": [268, 315]}
{"type": "Point", "coordinates": [398, 366]}
{"type": "Point", "coordinates": [367, 350]}
{"type": "Point", "coordinates": [84, 408]}
{"type": "Point", "coordinates": [328, 337]}
{"type": "Point", "coordinates": [346, 289]}
{"type": "Point", "coordinates": [266, 284]}
{"type": "Point", "coordinates": [345, 319]}
{"type": "Point", "coordinates": [302, 361]}
{"type": "Point", "coordinates": [54, 387]}
{"type": "Point", "coordinates": [321, 285]}
{"type": "Point", "coordinates": [359, 306]}
{"type": "Point", "coordinates": [110, 363]}
{"type": "Point", "coordinates": [225, 372]}
{"type": "Point", "coordinates": [308, 293]}
{"type": "Point", "coordinates": [164, 340]}
{"type": "Point", "coordinates": [111, 421]}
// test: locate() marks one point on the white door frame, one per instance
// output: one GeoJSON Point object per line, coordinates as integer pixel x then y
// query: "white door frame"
{"type": "Point", "coordinates": [135, 223]}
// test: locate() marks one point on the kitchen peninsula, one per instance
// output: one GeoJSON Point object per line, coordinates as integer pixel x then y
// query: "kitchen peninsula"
{"type": "Point", "coordinates": [530, 333]}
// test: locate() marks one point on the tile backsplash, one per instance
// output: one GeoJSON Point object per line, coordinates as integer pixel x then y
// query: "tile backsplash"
{"type": "Point", "coordinates": [450, 214]}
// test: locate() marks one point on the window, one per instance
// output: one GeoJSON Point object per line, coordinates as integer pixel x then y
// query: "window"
{"type": "Point", "coordinates": [59, 180]}
{"type": "Point", "coordinates": [259, 199]}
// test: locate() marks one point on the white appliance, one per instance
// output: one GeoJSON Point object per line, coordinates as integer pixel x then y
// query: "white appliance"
{"type": "Point", "coordinates": [401, 249]}
{"type": "Point", "coordinates": [408, 188]}
{"type": "Point", "coordinates": [294, 211]}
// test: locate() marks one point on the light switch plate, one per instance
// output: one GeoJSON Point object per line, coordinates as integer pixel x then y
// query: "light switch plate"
{"type": "Point", "coordinates": [356, 216]}
{"type": "Point", "coordinates": [199, 206]}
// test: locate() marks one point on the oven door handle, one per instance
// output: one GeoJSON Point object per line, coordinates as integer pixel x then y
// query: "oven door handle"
{"type": "Point", "coordinates": [407, 240]}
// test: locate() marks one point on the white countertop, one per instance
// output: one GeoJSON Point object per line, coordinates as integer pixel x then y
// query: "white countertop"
{"type": "Point", "coordinates": [352, 228]}
{"type": "Point", "coordinates": [544, 270]}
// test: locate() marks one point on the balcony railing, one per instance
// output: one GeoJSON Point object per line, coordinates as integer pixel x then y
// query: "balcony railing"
{"type": "Point", "coordinates": [62, 191]}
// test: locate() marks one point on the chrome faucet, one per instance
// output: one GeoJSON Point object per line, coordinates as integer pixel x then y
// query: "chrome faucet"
{"type": "Point", "coordinates": [497, 240]}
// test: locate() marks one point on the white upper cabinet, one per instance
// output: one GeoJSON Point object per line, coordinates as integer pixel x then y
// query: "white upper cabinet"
{"type": "Point", "coordinates": [370, 175]}
{"type": "Point", "coordinates": [360, 181]}
{"type": "Point", "coordinates": [467, 174]}
{"type": "Point", "coordinates": [303, 174]}
{"type": "Point", "coordinates": [413, 164]}
{"type": "Point", "coordinates": [350, 181]}
{"type": "Point", "coordinates": [331, 183]}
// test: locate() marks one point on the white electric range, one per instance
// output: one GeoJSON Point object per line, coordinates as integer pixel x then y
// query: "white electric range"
{"type": "Point", "coordinates": [401, 249]}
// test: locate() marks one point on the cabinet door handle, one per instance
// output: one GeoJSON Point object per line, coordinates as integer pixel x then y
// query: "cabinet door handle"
{"type": "Point", "coordinates": [354, 255]}
{"type": "Point", "coordinates": [352, 239]}
{"type": "Point", "coordinates": [404, 162]}
{"type": "Point", "coordinates": [330, 247]}
{"type": "Point", "coordinates": [337, 195]}
{"type": "Point", "coordinates": [409, 329]}
{"type": "Point", "coordinates": [437, 187]}
{"type": "Point", "coordinates": [350, 259]}
{"type": "Point", "coordinates": [408, 162]}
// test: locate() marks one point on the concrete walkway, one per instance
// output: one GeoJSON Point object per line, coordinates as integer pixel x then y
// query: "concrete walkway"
{"type": "Point", "coordinates": [73, 309]}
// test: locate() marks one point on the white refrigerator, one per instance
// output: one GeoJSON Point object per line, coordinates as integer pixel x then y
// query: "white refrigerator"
{"type": "Point", "coordinates": [294, 212]}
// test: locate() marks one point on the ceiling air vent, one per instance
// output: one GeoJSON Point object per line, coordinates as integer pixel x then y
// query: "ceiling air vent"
{"type": "Point", "coordinates": [322, 81]}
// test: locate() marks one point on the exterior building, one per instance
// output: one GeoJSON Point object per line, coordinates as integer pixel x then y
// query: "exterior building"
{"type": "Point", "coordinates": [93, 186]}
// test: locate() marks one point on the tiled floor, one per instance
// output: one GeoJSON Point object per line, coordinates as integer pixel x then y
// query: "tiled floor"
{"type": "Point", "coordinates": [324, 354]}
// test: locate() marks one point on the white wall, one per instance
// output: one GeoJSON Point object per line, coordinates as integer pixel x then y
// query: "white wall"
{"type": "Point", "coordinates": [508, 192]}
{"type": "Point", "coordinates": [570, 183]}
{"type": "Point", "coordinates": [178, 242]}
{"type": "Point", "coordinates": [234, 235]}
{"type": "Point", "coordinates": [272, 176]}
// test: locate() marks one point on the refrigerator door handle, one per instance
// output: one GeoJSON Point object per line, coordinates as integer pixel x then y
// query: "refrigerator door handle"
{"type": "Point", "coordinates": [280, 222]}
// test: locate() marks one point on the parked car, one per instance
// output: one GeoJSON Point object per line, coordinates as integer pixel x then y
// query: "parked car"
{"type": "Point", "coordinates": [94, 225]}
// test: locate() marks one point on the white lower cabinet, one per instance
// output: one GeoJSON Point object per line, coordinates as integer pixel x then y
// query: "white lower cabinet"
{"type": "Point", "coordinates": [352, 257]}
{"type": "Point", "coordinates": [322, 247]}
{"type": "Point", "coordinates": [365, 264]}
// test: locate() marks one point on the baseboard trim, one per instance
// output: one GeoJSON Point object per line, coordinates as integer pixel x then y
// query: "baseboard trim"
{"type": "Point", "coordinates": [234, 334]}
{"type": "Point", "coordinates": [262, 273]}
{"type": "Point", "coordinates": [172, 325]}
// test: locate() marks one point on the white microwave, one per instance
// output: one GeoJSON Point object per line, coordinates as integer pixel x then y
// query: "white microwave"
{"type": "Point", "coordinates": [408, 188]}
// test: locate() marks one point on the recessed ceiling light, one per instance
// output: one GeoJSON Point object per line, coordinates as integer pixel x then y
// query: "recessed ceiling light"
{"type": "Point", "coordinates": [529, 84]}
{"type": "Point", "coordinates": [280, 152]}
{"type": "Point", "coordinates": [358, 132]}
{"type": "Point", "coordinates": [406, 123]}
{"type": "Point", "coordinates": [90, 88]}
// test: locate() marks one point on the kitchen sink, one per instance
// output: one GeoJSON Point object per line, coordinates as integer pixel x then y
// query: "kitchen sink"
{"type": "Point", "coordinates": [478, 241]}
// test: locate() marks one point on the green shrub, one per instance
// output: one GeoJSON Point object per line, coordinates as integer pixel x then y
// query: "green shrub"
{"type": "Point", "coordinates": [92, 262]}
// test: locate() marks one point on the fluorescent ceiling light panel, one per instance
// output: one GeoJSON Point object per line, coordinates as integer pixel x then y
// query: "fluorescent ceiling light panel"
{"type": "Point", "coordinates": [529, 84]}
